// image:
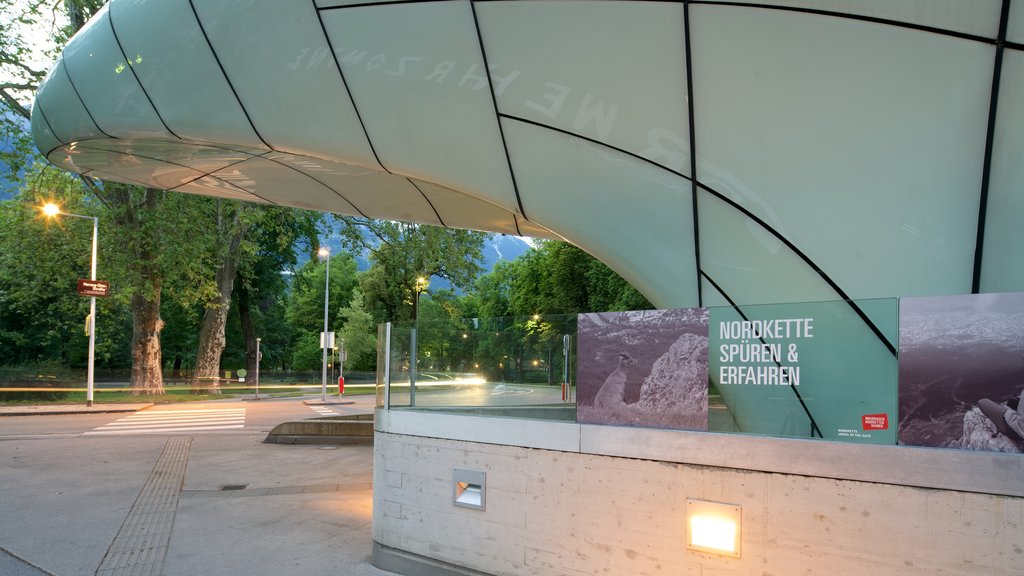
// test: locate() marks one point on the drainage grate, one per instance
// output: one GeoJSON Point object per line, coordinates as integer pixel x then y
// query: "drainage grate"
{"type": "Point", "coordinates": [233, 487]}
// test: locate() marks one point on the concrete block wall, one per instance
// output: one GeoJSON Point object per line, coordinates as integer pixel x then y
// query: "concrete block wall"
{"type": "Point", "coordinates": [569, 513]}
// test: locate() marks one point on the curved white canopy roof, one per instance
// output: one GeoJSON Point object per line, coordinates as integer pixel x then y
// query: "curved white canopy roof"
{"type": "Point", "coordinates": [709, 152]}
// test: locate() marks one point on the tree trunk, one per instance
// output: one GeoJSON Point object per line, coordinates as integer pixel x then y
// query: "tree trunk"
{"type": "Point", "coordinates": [211, 335]}
{"type": "Point", "coordinates": [248, 332]}
{"type": "Point", "coordinates": [147, 372]}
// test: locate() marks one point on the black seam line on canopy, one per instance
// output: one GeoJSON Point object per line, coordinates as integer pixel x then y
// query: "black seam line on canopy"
{"type": "Point", "coordinates": [344, 82]}
{"type": "Point", "coordinates": [1013, 45]}
{"type": "Point", "coordinates": [432, 207]}
{"type": "Point", "coordinates": [366, 4]}
{"type": "Point", "coordinates": [202, 174]}
{"type": "Point", "coordinates": [986, 169]}
{"type": "Point", "coordinates": [37, 106]}
{"type": "Point", "coordinates": [814, 424]}
{"type": "Point", "coordinates": [67, 72]}
{"type": "Point", "coordinates": [817, 270]}
{"type": "Point", "coordinates": [693, 148]}
{"type": "Point", "coordinates": [227, 78]}
{"type": "Point", "coordinates": [130, 66]}
{"type": "Point", "coordinates": [497, 117]}
{"type": "Point", "coordinates": [845, 16]}
{"type": "Point", "coordinates": [315, 179]}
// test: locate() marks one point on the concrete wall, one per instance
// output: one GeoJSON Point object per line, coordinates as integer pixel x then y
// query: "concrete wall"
{"type": "Point", "coordinates": [564, 511]}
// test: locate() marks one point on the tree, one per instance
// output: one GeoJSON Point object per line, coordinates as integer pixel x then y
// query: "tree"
{"type": "Point", "coordinates": [359, 332]}
{"type": "Point", "coordinates": [400, 253]}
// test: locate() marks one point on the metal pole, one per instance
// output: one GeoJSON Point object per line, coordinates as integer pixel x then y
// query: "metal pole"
{"type": "Point", "coordinates": [327, 284]}
{"type": "Point", "coordinates": [90, 381]}
{"type": "Point", "coordinates": [387, 366]}
{"type": "Point", "coordinates": [257, 369]}
{"type": "Point", "coordinates": [412, 367]}
{"type": "Point", "coordinates": [341, 363]}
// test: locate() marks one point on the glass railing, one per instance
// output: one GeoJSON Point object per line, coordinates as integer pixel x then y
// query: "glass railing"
{"type": "Point", "coordinates": [523, 367]}
{"type": "Point", "coordinates": [940, 372]}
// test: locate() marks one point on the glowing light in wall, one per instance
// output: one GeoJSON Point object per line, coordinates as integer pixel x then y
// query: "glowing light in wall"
{"type": "Point", "coordinates": [713, 527]}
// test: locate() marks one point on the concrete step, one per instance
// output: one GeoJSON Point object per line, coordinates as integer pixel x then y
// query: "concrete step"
{"type": "Point", "coordinates": [349, 429]}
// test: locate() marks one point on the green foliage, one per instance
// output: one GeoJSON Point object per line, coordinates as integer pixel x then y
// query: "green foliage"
{"type": "Point", "coordinates": [400, 253]}
{"type": "Point", "coordinates": [556, 278]}
{"type": "Point", "coordinates": [307, 353]}
{"type": "Point", "coordinates": [359, 332]}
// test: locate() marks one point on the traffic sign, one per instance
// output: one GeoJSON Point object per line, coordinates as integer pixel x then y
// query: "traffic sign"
{"type": "Point", "coordinates": [93, 287]}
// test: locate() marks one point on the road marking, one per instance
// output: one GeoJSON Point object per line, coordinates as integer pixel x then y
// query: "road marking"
{"type": "Point", "coordinates": [323, 411]}
{"type": "Point", "coordinates": [171, 421]}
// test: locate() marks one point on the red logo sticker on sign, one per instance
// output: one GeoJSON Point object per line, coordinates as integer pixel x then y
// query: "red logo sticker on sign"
{"type": "Point", "coordinates": [874, 421]}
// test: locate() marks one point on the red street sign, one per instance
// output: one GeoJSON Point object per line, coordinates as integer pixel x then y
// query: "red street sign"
{"type": "Point", "coordinates": [93, 287]}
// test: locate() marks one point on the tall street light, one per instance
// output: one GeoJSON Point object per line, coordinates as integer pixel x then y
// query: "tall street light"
{"type": "Point", "coordinates": [52, 210]}
{"type": "Point", "coordinates": [421, 285]}
{"type": "Point", "coordinates": [325, 256]}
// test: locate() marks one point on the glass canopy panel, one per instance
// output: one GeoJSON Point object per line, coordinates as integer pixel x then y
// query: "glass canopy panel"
{"type": "Point", "coordinates": [858, 142]}
{"type": "Point", "coordinates": [534, 230]}
{"type": "Point", "coordinates": [200, 157]}
{"type": "Point", "coordinates": [210, 186]}
{"type": "Point", "coordinates": [634, 216]}
{"type": "Point", "coordinates": [1015, 26]}
{"type": "Point", "coordinates": [106, 85]}
{"type": "Point", "coordinates": [45, 140]}
{"type": "Point", "coordinates": [376, 194]}
{"type": "Point", "coordinates": [172, 60]}
{"type": "Point", "coordinates": [619, 76]}
{"type": "Point", "coordinates": [65, 113]}
{"type": "Point", "coordinates": [418, 80]}
{"type": "Point", "coordinates": [460, 210]}
{"type": "Point", "coordinates": [112, 177]}
{"type": "Point", "coordinates": [343, 3]}
{"type": "Point", "coordinates": [979, 17]}
{"type": "Point", "coordinates": [281, 184]}
{"type": "Point", "coordinates": [1003, 248]}
{"type": "Point", "coordinates": [751, 266]}
{"type": "Point", "coordinates": [150, 171]}
{"type": "Point", "coordinates": [279, 63]}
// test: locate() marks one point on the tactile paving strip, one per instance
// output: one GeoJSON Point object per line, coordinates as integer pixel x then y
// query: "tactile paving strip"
{"type": "Point", "coordinates": [141, 544]}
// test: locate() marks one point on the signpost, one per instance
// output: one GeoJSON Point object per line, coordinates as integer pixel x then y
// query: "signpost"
{"type": "Point", "coordinates": [93, 287]}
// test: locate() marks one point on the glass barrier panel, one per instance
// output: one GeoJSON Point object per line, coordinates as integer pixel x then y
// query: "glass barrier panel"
{"type": "Point", "coordinates": [513, 367]}
{"type": "Point", "coordinates": [812, 369]}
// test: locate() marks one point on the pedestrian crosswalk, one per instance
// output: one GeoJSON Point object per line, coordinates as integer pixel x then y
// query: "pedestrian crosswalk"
{"type": "Point", "coordinates": [174, 421]}
{"type": "Point", "coordinates": [323, 411]}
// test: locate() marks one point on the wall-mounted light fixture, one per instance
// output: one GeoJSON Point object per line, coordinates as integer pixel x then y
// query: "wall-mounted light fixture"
{"type": "Point", "coordinates": [713, 527]}
{"type": "Point", "coordinates": [470, 488]}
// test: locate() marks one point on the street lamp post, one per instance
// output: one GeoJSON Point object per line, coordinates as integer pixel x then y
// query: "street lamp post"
{"type": "Point", "coordinates": [325, 256]}
{"type": "Point", "coordinates": [52, 210]}
{"type": "Point", "coordinates": [421, 285]}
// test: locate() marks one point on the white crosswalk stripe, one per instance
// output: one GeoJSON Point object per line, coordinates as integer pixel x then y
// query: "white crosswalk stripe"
{"type": "Point", "coordinates": [323, 411]}
{"type": "Point", "coordinates": [171, 421]}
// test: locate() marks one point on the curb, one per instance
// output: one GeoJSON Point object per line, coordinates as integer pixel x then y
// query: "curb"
{"type": "Point", "coordinates": [57, 410]}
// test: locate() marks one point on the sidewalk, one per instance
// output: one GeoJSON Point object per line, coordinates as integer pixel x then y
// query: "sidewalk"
{"type": "Point", "coordinates": [88, 505]}
{"type": "Point", "coordinates": [49, 409]}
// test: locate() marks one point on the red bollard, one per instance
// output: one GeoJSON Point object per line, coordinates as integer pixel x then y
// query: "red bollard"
{"type": "Point", "coordinates": [341, 385]}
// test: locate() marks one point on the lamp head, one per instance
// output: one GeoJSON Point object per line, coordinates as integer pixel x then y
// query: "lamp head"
{"type": "Point", "coordinates": [50, 209]}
